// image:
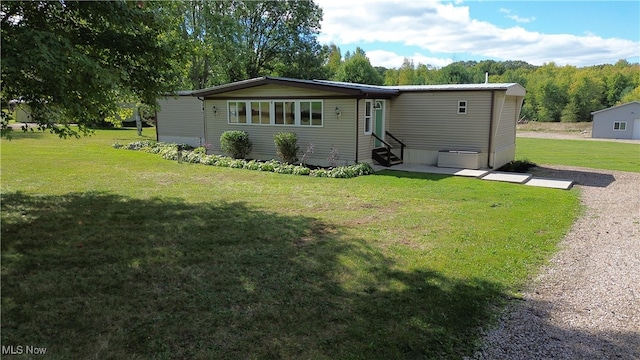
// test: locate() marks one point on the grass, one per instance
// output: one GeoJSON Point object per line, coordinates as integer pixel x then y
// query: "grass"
{"type": "Point", "coordinates": [556, 127]}
{"type": "Point", "coordinates": [119, 254]}
{"type": "Point", "coordinates": [581, 153]}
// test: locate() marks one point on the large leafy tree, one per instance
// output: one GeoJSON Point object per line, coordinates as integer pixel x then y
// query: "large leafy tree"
{"type": "Point", "coordinates": [236, 40]}
{"type": "Point", "coordinates": [73, 61]}
{"type": "Point", "coordinates": [357, 68]}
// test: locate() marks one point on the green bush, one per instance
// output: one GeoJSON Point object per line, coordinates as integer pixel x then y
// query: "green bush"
{"type": "Point", "coordinates": [286, 146]}
{"type": "Point", "coordinates": [198, 156]}
{"type": "Point", "coordinates": [236, 143]}
{"type": "Point", "coordinates": [519, 166]}
{"type": "Point", "coordinates": [301, 170]}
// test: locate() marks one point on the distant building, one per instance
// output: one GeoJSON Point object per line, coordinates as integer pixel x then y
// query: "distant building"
{"type": "Point", "coordinates": [618, 122]}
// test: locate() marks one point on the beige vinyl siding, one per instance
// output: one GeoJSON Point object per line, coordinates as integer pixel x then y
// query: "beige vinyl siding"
{"type": "Point", "coordinates": [429, 120]}
{"type": "Point", "coordinates": [338, 131]}
{"type": "Point", "coordinates": [366, 142]}
{"type": "Point", "coordinates": [506, 126]}
{"type": "Point", "coordinates": [272, 90]}
{"type": "Point", "coordinates": [180, 119]}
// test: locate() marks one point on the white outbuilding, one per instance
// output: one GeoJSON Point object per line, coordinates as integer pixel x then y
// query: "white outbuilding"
{"type": "Point", "coordinates": [618, 122]}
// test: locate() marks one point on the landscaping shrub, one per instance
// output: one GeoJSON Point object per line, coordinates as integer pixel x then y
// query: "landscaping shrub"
{"type": "Point", "coordinates": [286, 146]}
{"type": "Point", "coordinates": [236, 143]}
{"type": "Point", "coordinates": [199, 156]}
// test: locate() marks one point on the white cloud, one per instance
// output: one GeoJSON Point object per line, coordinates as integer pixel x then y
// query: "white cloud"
{"type": "Point", "coordinates": [390, 59]}
{"type": "Point", "coordinates": [446, 30]}
{"type": "Point", "coordinates": [519, 19]}
{"type": "Point", "coordinates": [516, 18]}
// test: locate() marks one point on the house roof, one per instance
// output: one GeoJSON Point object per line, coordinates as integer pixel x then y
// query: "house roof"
{"type": "Point", "coordinates": [358, 90]}
{"type": "Point", "coordinates": [343, 88]}
{"type": "Point", "coordinates": [511, 88]}
{"type": "Point", "coordinates": [615, 107]}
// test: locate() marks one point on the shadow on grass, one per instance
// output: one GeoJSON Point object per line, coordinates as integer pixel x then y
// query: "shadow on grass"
{"type": "Point", "coordinates": [19, 134]}
{"type": "Point", "coordinates": [412, 175]}
{"type": "Point", "coordinates": [96, 275]}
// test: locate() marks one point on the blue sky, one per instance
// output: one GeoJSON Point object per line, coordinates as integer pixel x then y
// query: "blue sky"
{"type": "Point", "coordinates": [437, 33]}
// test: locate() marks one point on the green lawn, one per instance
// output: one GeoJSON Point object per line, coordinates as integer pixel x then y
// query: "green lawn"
{"type": "Point", "coordinates": [581, 153]}
{"type": "Point", "coordinates": [112, 253]}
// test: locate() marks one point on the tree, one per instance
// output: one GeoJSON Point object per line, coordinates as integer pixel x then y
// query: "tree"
{"type": "Point", "coordinates": [586, 94]}
{"type": "Point", "coordinates": [406, 73]}
{"type": "Point", "coordinates": [552, 100]}
{"type": "Point", "coordinates": [358, 69]}
{"type": "Point", "coordinates": [235, 40]}
{"type": "Point", "coordinates": [262, 37]}
{"type": "Point", "coordinates": [334, 59]}
{"type": "Point", "coordinates": [71, 61]}
{"type": "Point", "coordinates": [455, 73]}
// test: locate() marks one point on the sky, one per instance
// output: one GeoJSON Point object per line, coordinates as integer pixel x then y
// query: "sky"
{"type": "Point", "coordinates": [437, 33]}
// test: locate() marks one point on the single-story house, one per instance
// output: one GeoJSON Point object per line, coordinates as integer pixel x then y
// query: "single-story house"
{"type": "Point", "coordinates": [468, 125]}
{"type": "Point", "coordinates": [617, 122]}
{"type": "Point", "coordinates": [180, 119]}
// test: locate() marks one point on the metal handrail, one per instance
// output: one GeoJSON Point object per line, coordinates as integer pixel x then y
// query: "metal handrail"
{"type": "Point", "coordinates": [389, 146]}
{"type": "Point", "coordinates": [402, 145]}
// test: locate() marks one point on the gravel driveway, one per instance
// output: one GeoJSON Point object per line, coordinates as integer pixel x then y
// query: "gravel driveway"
{"type": "Point", "coordinates": [586, 303]}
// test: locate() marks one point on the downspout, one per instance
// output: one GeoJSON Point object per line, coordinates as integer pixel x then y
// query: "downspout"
{"type": "Point", "coordinates": [156, 112]}
{"type": "Point", "coordinates": [489, 149]}
{"type": "Point", "coordinates": [204, 123]}
{"type": "Point", "coordinates": [357, 129]}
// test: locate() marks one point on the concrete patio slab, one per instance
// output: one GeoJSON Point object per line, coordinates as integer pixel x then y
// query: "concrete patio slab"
{"type": "Point", "coordinates": [471, 173]}
{"type": "Point", "coordinates": [516, 178]}
{"type": "Point", "coordinates": [563, 184]}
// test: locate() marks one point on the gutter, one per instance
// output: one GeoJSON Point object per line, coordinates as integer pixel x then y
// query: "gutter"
{"type": "Point", "coordinates": [357, 132]}
{"type": "Point", "coordinates": [490, 145]}
{"type": "Point", "coordinates": [156, 115]}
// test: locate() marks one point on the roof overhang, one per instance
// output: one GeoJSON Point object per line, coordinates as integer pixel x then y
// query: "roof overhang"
{"type": "Point", "coordinates": [357, 90]}
{"type": "Point", "coordinates": [512, 89]}
{"type": "Point", "coordinates": [617, 106]}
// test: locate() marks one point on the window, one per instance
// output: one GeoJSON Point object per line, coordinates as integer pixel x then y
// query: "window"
{"type": "Point", "coordinates": [368, 117]}
{"type": "Point", "coordinates": [620, 125]}
{"type": "Point", "coordinates": [462, 106]}
{"type": "Point", "coordinates": [316, 113]}
{"type": "Point", "coordinates": [260, 113]}
{"type": "Point", "coordinates": [238, 112]}
{"type": "Point", "coordinates": [276, 112]}
{"type": "Point", "coordinates": [285, 112]}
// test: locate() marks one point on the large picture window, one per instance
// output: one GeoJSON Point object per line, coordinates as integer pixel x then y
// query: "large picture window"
{"type": "Point", "coordinates": [276, 112]}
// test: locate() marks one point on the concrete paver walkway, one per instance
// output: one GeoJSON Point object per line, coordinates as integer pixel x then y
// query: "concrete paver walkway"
{"type": "Point", "coordinates": [518, 178]}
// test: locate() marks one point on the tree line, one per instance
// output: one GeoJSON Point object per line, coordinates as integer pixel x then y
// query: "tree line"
{"type": "Point", "coordinates": [554, 93]}
{"type": "Point", "coordinates": [78, 60]}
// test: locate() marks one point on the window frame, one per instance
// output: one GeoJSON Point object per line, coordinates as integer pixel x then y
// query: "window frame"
{"type": "Point", "coordinates": [463, 109]}
{"type": "Point", "coordinates": [622, 126]}
{"type": "Point", "coordinates": [368, 105]}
